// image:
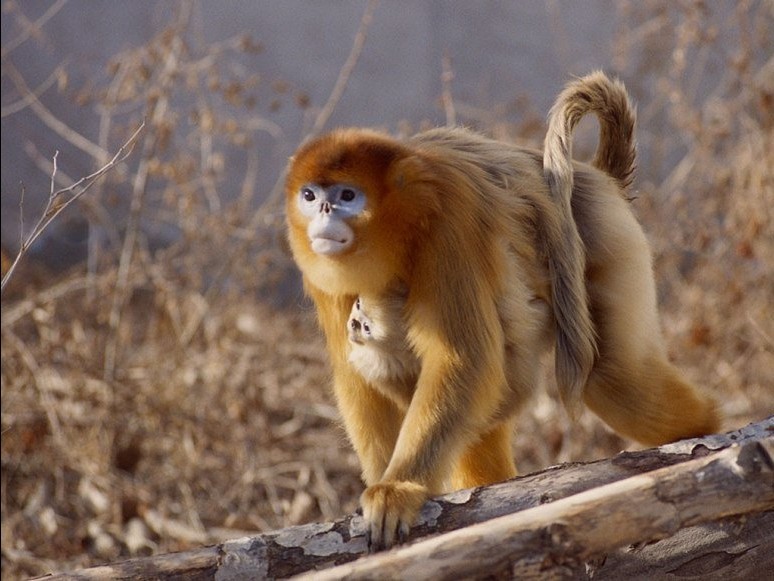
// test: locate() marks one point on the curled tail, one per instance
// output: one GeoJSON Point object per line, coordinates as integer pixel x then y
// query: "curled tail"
{"type": "Point", "coordinates": [576, 347]}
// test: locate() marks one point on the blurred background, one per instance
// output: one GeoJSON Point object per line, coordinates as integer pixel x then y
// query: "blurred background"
{"type": "Point", "coordinates": [164, 384]}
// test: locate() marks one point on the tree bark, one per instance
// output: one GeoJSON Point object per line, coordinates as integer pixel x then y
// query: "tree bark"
{"type": "Point", "coordinates": [563, 537]}
{"type": "Point", "coordinates": [711, 499]}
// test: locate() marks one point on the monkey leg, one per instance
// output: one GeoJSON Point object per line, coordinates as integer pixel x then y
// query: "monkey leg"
{"type": "Point", "coordinates": [633, 387]}
{"type": "Point", "coordinates": [651, 403]}
{"type": "Point", "coordinates": [487, 460]}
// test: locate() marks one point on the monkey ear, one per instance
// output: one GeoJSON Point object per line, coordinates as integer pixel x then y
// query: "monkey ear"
{"type": "Point", "coordinates": [399, 171]}
{"type": "Point", "coordinates": [414, 180]}
{"type": "Point", "coordinates": [405, 170]}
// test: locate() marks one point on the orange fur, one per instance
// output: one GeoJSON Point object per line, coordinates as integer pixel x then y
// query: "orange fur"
{"type": "Point", "coordinates": [503, 254]}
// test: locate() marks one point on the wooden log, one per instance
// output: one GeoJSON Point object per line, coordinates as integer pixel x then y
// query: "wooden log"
{"type": "Point", "coordinates": [740, 547]}
{"type": "Point", "coordinates": [291, 551]}
{"type": "Point", "coordinates": [561, 538]}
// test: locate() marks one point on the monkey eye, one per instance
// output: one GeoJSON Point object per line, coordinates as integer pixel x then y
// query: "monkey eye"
{"type": "Point", "coordinates": [357, 303]}
{"type": "Point", "coordinates": [347, 195]}
{"type": "Point", "coordinates": [308, 195]}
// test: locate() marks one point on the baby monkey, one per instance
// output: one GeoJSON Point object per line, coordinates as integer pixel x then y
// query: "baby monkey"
{"type": "Point", "coordinates": [379, 349]}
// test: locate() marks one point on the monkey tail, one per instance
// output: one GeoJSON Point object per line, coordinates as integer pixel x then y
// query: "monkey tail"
{"type": "Point", "coordinates": [576, 348]}
{"type": "Point", "coordinates": [608, 99]}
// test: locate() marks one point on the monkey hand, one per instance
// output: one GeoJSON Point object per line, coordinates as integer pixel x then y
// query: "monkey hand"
{"type": "Point", "coordinates": [389, 510]}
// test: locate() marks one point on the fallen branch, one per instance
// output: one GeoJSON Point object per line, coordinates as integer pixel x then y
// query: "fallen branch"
{"type": "Point", "coordinates": [571, 519]}
{"type": "Point", "coordinates": [562, 537]}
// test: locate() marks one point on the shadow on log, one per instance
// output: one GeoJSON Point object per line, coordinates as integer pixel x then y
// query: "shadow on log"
{"type": "Point", "coordinates": [696, 508]}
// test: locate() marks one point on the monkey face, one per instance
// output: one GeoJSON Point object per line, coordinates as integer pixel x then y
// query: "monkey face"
{"type": "Point", "coordinates": [328, 209]}
{"type": "Point", "coordinates": [356, 204]}
{"type": "Point", "coordinates": [360, 326]}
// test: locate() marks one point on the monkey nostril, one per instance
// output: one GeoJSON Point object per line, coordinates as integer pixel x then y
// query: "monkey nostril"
{"type": "Point", "coordinates": [355, 324]}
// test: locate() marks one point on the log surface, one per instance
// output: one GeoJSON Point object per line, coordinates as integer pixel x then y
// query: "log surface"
{"type": "Point", "coordinates": [567, 536]}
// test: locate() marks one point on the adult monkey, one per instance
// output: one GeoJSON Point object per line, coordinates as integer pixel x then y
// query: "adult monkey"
{"type": "Point", "coordinates": [504, 252]}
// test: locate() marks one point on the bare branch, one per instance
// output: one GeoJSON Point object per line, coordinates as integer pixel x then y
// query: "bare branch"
{"type": "Point", "coordinates": [447, 76]}
{"type": "Point", "coordinates": [156, 113]}
{"type": "Point", "coordinates": [33, 95]}
{"type": "Point", "coordinates": [51, 193]}
{"type": "Point", "coordinates": [330, 105]}
{"type": "Point", "coordinates": [346, 71]}
{"type": "Point", "coordinates": [267, 211]}
{"type": "Point", "coordinates": [21, 216]}
{"type": "Point", "coordinates": [33, 27]}
{"type": "Point", "coordinates": [58, 202]}
{"type": "Point", "coordinates": [51, 120]}
{"type": "Point", "coordinates": [94, 210]}
{"type": "Point", "coordinates": [586, 527]}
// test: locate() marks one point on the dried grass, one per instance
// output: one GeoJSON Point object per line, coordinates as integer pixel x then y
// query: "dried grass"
{"type": "Point", "coordinates": [212, 418]}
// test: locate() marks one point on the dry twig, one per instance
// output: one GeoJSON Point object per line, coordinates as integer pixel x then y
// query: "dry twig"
{"type": "Point", "coordinates": [157, 111]}
{"type": "Point", "coordinates": [32, 28]}
{"type": "Point", "coordinates": [447, 76]}
{"type": "Point", "coordinates": [59, 200]}
{"type": "Point", "coordinates": [51, 120]}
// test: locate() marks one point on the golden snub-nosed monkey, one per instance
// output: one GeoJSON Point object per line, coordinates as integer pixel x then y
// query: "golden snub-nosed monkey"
{"type": "Point", "coordinates": [498, 253]}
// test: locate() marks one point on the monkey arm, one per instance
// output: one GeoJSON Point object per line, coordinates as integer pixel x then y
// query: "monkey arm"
{"type": "Point", "coordinates": [458, 392]}
{"type": "Point", "coordinates": [459, 339]}
{"type": "Point", "coordinates": [455, 399]}
{"type": "Point", "coordinates": [372, 420]}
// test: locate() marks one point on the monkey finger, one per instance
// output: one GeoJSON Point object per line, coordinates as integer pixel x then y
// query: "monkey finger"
{"type": "Point", "coordinates": [403, 531]}
{"type": "Point", "coordinates": [391, 524]}
{"type": "Point", "coordinates": [375, 535]}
